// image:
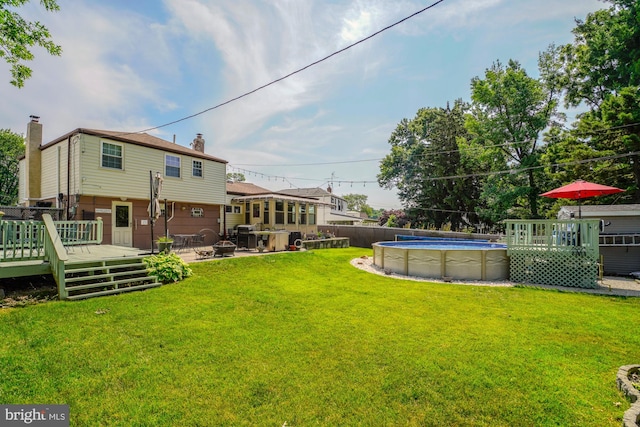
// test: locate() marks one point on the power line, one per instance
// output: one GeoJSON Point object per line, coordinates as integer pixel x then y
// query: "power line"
{"type": "Point", "coordinates": [430, 153]}
{"type": "Point", "coordinates": [442, 178]}
{"type": "Point", "coordinates": [299, 70]}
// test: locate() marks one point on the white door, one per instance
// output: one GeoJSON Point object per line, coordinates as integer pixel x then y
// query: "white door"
{"type": "Point", "coordinates": [122, 232]}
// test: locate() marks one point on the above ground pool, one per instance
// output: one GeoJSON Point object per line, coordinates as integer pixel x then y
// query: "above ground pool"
{"type": "Point", "coordinates": [457, 259]}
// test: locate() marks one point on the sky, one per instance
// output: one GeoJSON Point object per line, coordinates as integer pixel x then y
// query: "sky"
{"type": "Point", "coordinates": [138, 65]}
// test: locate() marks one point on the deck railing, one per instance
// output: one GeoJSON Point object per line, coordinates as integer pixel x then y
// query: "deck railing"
{"type": "Point", "coordinates": [21, 240]}
{"type": "Point", "coordinates": [558, 235]}
{"type": "Point", "coordinates": [80, 232]}
{"type": "Point", "coordinates": [553, 252]}
{"type": "Point", "coordinates": [25, 240]}
{"type": "Point", "coordinates": [55, 252]}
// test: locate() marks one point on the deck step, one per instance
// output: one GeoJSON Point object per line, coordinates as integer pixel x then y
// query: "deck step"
{"type": "Point", "coordinates": [70, 269]}
{"type": "Point", "coordinates": [110, 283]}
{"type": "Point", "coordinates": [114, 291]}
{"type": "Point", "coordinates": [86, 279]}
{"type": "Point", "coordinates": [105, 276]}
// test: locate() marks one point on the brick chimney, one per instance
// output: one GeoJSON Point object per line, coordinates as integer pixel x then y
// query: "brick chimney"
{"type": "Point", "coordinates": [198, 143]}
{"type": "Point", "coordinates": [33, 160]}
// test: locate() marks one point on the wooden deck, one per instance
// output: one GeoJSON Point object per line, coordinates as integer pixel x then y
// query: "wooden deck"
{"type": "Point", "coordinates": [76, 254]}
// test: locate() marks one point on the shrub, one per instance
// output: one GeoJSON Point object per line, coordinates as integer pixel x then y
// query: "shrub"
{"type": "Point", "coordinates": [168, 268]}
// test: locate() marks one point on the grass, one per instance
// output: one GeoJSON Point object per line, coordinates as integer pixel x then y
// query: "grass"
{"type": "Point", "coordinates": [306, 339]}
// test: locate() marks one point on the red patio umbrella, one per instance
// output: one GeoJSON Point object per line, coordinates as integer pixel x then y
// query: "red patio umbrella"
{"type": "Point", "coordinates": [579, 190]}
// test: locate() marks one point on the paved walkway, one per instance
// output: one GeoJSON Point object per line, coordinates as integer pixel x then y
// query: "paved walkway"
{"type": "Point", "coordinates": [189, 255]}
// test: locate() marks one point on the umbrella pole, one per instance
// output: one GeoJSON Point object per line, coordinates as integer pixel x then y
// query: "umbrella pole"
{"type": "Point", "coordinates": [579, 209]}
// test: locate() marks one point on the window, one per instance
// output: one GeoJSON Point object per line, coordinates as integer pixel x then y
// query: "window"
{"type": "Point", "coordinates": [291, 213]}
{"type": "Point", "coordinates": [256, 210]}
{"type": "Point", "coordinates": [197, 212]}
{"type": "Point", "coordinates": [279, 212]}
{"type": "Point", "coordinates": [111, 156]}
{"type": "Point", "coordinates": [197, 168]}
{"type": "Point", "coordinates": [237, 209]}
{"type": "Point", "coordinates": [227, 209]}
{"type": "Point", "coordinates": [265, 218]}
{"type": "Point", "coordinates": [303, 213]}
{"type": "Point", "coordinates": [172, 166]}
{"type": "Point", "coordinates": [312, 214]}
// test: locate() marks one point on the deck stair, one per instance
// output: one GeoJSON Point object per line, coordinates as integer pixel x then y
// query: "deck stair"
{"type": "Point", "coordinates": [86, 279]}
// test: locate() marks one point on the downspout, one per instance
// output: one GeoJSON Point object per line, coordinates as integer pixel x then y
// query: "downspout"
{"type": "Point", "coordinates": [68, 176]}
{"type": "Point", "coordinates": [58, 201]}
{"type": "Point", "coordinates": [173, 209]}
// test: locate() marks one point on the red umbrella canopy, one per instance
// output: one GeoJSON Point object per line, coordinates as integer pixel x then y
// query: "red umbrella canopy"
{"type": "Point", "coordinates": [581, 190]}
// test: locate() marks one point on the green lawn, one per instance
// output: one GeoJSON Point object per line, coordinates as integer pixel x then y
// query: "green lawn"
{"type": "Point", "coordinates": [306, 339]}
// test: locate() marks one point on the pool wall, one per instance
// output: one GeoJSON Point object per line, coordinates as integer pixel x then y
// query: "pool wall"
{"type": "Point", "coordinates": [474, 263]}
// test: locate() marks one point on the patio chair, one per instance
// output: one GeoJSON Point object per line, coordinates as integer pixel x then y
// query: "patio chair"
{"type": "Point", "coordinates": [78, 236]}
{"type": "Point", "coordinates": [180, 243]}
{"type": "Point", "coordinates": [197, 240]}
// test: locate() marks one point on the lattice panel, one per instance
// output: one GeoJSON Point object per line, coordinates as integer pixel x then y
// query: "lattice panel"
{"type": "Point", "coordinates": [572, 267]}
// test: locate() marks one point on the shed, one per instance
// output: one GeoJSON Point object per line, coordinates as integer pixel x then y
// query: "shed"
{"type": "Point", "coordinates": [619, 234]}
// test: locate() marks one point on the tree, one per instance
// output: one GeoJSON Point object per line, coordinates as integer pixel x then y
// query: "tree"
{"type": "Point", "coordinates": [602, 70]}
{"type": "Point", "coordinates": [509, 112]}
{"type": "Point", "coordinates": [11, 147]}
{"type": "Point", "coordinates": [427, 168]}
{"type": "Point", "coordinates": [235, 177]}
{"type": "Point", "coordinates": [393, 218]}
{"type": "Point", "coordinates": [605, 55]}
{"type": "Point", "coordinates": [18, 35]}
{"type": "Point", "coordinates": [358, 203]}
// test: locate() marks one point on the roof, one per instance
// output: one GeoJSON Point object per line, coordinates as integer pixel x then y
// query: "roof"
{"type": "Point", "coordinates": [245, 188]}
{"type": "Point", "coordinates": [142, 139]}
{"type": "Point", "coordinates": [277, 196]}
{"type": "Point", "coordinates": [306, 192]}
{"type": "Point", "coordinates": [599, 210]}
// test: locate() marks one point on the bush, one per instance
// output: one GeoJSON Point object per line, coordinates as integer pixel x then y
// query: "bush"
{"type": "Point", "coordinates": [168, 268]}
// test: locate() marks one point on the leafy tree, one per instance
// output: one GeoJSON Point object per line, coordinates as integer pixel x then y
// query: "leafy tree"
{"type": "Point", "coordinates": [358, 203]}
{"type": "Point", "coordinates": [236, 177]}
{"type": "Point", "coordinates": [605, 55]}
{"type": "Point", "coordinates": [602, 69]}
{"type": "Point", "coordinates": [393, 218]}
{"type": "Point", "coordinates": [613, 130]}
{"type": "Point", "coordinates": [510, 110]}
{"type": "Point", "coordinates": [17, 36]}
{"type": "Point", "coordinates": [426, 167]}
{"type": "Point", "coordinates": [11, 147]}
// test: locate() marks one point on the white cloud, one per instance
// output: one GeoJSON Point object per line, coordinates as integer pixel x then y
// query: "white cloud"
{"type": "Point", "coordinates": [107, 73]}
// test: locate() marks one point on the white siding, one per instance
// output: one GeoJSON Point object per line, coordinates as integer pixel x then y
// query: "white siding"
{"type": "Point", "coordinates": [133, 180]}
{"type": "Point", "coordinates": [54, 171]}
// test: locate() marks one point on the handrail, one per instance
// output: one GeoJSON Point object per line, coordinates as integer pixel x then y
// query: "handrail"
{"type": "Point", "coordinates": [80, 232]}
{"type": "Point", "coordinates": [56, 254]}
{"type": "Point", "coordinates": [21, 240]}
{"type": "Point", "coordinates": [555, 235]}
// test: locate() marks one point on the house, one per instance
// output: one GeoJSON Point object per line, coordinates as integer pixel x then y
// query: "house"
{"type": "Point", "coordinates": [253, 205]}
{"type": "Point", "coordinates": [93, 173]}
{"type": "Point", "coordinates": [332, 211]}
{"type": "Point", "coordinates": [619, 234]}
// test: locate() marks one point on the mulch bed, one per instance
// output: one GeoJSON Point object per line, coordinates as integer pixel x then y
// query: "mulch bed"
{"type": "Point", "coordinates": [22, 291]}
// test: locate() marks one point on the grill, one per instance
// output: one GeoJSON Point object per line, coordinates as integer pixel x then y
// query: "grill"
{"type": "Point", "coordinates": [246, 236]}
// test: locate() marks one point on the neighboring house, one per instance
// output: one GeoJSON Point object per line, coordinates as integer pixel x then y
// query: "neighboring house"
{"type": "Point", "coordinates": [332, 211]}
{"type": "Point", "coordinates": [253, 205]}
{"type": "Point", "coordinates": [619, 234]}
{"type": "Point", "coordinates": [95, 173]}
